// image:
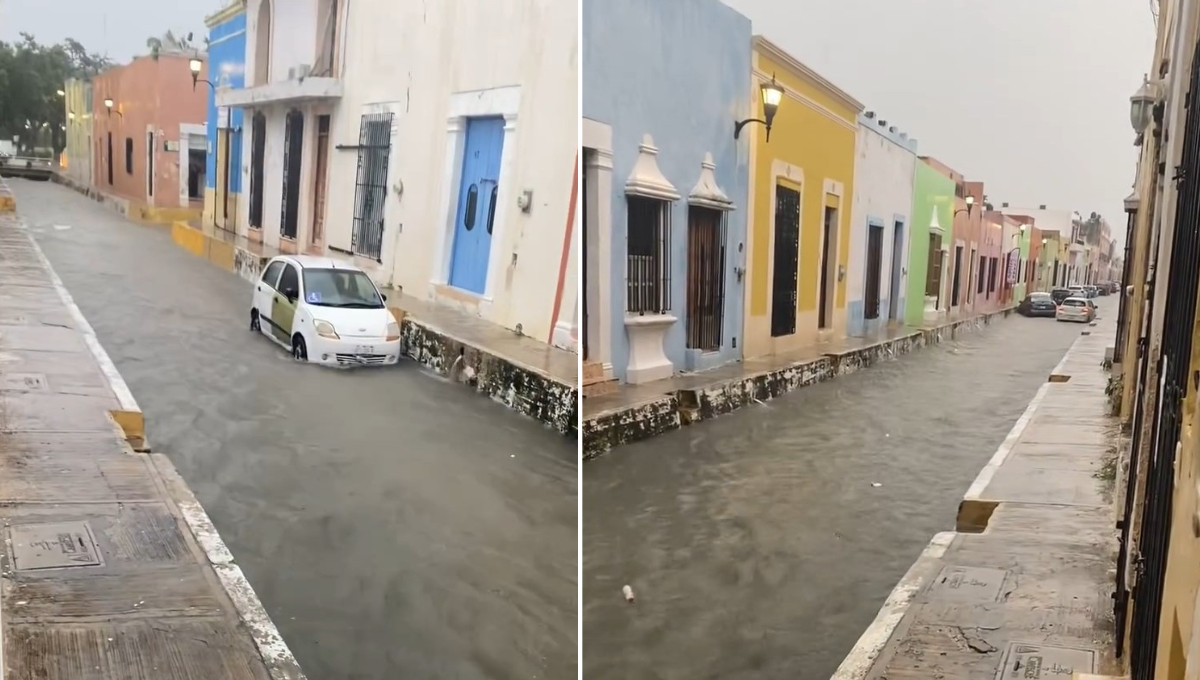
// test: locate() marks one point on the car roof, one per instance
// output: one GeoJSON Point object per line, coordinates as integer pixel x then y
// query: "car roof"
{"type": "Point", "coordinates": [318, 262]}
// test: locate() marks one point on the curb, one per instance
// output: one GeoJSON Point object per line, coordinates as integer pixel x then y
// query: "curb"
{"type": "Point", "coordinates": [875, 638]}
{"type": "Point", "coordinates": [974, 512]}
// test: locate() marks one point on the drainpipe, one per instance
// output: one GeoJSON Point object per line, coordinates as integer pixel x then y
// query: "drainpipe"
{"type": "Point", "coordinates": [566, 251]}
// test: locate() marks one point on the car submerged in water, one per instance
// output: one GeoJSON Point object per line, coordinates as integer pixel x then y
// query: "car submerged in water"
{"type": "Point", "coordinates": [325, 312]}
{"type": "Point", "coordinates": [1037, 304]}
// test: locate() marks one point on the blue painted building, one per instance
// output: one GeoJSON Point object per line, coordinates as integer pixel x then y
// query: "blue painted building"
{"type": "Point", "coordinates": [665, 185]}
{"type": "Point", "coordinates": [226, 68]}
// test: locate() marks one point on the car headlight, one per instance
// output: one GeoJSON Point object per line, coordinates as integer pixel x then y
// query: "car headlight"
{"type": "Point", "coordinates": [393, 331]}
{"type": "Point", "coordinates": [325, 329]}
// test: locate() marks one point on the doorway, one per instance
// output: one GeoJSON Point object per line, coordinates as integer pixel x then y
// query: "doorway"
{"type": "Point", "coordinates": [293, 152]}
{"type": "Point", "coordinates": [258, 147]}
{"type": "Point", "coordinates": [197, 162]}
{"type": "Point", "coordinates": [705, 278]}
{"type": "Point", "coordinates": [477, 194]}
{"type": "Point", "coordinates": [897, 271]}
{"type": "Point", "coordinates": [317, 236]}
{"type": "Point", "coordinates": [874, 271]}
{"type": "Point", "coordinates": [971, 275]}
{"type": "Point", "coordinates": [110, 172]}
{"type": "Point", "coordinates": [956, 288]}
{"type": "Point", "coordinates": [828, 268]}
{"type": "Point", "coordinates": [150, 164]}
{"type": "Point", "coordinates": [785, 279]}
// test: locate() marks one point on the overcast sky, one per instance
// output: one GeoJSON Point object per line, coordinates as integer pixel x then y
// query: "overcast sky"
{"type": "Point", "coordinates": [118, 27]}
{"type": "Point", "coordinates": [1029, 96]}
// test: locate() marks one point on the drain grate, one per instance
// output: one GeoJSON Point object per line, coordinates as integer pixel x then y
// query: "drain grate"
{"type": "Point", "coordinates": [57, 545]}
{"type": "Point", "coordinates": [968, 584]}
{"type": "Point", "coordinates": [1024, 660]}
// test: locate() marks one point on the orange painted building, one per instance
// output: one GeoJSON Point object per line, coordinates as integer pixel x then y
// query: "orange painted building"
{"type": "Point", "coordinates": [149, 146]}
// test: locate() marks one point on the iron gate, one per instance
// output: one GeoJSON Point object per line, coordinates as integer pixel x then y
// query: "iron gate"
{"type": "Point", "coordinates": [787, 261]}
{"type": "Point", "coordinates": [1173, 367]}
{"type": "Point", "coordinates": [370, 186]}
{"type": "Point", "coordinates": [705, 278]}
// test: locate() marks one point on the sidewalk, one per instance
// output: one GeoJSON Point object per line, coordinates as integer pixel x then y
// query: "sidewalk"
{"type": "Point", "coordinates": [636, 412]}
{"type": "Point", "coordinates": [1022, 588]}
{"type": "Point", "coordinates": [111, 568]}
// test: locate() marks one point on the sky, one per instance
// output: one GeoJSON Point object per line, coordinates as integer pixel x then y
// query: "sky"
{"type": "Point", "coordinates": [1030, 97]}
{"type": "Point", "coordinates": [100, 26]}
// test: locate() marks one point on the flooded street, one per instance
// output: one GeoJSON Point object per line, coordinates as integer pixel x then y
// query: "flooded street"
{"type": "Point", "coordinates": [393, 524]}
{"type": "Point", "coordinates": [762, 544]}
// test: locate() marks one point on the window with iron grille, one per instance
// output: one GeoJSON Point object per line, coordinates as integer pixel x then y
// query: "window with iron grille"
{"type": "Point", "coordinates": [982, 280]}
{"type": "Point", "coordinates": [933, 275]}
{"type": "Point", "coordinates": [129, 155]}
{"type": "Point", "coordinates": [370, 187]}
{"type": "Point", "coordinates": [992, 278]}
{"type": "Point", "coordinates": [648, 287]}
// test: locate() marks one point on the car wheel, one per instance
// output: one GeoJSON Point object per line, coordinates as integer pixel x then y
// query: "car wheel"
{"type": "Point", "coordinates": [299, 349]}
{"type": "Point", "coordinates": [255, 324]}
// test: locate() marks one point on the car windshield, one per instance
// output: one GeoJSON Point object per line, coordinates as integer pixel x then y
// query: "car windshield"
{"type": "Point", "coordinates": [340, 288]}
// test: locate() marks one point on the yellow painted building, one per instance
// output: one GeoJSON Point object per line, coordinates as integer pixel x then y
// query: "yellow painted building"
{"type": "Point", "coordinates": [76, 160]}
{"type": "Point", "coordinates": [801, 184]}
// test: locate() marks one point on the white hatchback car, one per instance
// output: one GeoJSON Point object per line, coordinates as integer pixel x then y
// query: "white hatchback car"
{"type": "Point", "coordinates": [325, 312]}
{"type": "Point", "coordinates": [1076, 309]}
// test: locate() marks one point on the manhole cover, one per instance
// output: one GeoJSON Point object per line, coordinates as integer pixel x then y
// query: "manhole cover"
{"type": "Point", "coordinates": [53, 546]}
{"type": "Point", "coordinates": [968, 584]}
{"type": "Point", "coordinates": [1028, 661]}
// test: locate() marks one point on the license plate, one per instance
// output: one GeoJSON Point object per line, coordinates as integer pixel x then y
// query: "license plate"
{"type": "Point", "coordinates": [364, 349]}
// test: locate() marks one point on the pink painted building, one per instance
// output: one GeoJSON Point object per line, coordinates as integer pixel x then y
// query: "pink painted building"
{"type": "Point", "coordinates": [149, 145]}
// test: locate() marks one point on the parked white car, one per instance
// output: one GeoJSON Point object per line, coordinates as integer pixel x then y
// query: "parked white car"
{"type": "Point", "coordinates": [325, 312]}
{"type": "Point", "coordinates": [1076, 309]}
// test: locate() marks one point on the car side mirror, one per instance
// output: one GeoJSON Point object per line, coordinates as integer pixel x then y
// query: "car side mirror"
{"type": "Point", "coordinates": [291, 294]}
{"type": "Point", "coordinates": [384, 296]}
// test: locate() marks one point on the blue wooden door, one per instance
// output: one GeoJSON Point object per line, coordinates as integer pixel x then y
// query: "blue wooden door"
{"type": "Point", "coordinates": [477, 204]}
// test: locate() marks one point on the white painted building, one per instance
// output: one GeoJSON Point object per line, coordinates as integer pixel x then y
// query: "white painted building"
{"type": "Point", "coordinates": [433, 143]}
{"type": "Point", "coordinates": [884, 166]}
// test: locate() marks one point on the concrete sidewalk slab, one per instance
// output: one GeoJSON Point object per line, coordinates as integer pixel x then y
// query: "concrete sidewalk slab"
{"type": "Point", "coordinates": [1023, 589]}
{"type": "Point", "coordinates": [110, 569]}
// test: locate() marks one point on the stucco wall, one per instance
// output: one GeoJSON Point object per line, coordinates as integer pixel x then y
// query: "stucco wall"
{"type": "Point", "coordinates": [933, 193]}
{"type": "Point", "coordinates": [680, 72]}
{"type": "Point", "coordinates": [151, 95]}
{"type": "Point", "coordinates": [883, 198]}
{"type": "Point", "coordinates": [292, 37]}
{"type": "Point", "coordinates": [812, 150]}
{"type": "Point", "coordinates": [78, 102]}
{"type": "Point", "coordinates": [427, 65]}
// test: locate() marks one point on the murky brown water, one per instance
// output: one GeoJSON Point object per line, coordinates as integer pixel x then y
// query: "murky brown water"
{"type": "Point", "coordinates": [756, 543]}
{"type": "Point", "coordinates": [394, 525]}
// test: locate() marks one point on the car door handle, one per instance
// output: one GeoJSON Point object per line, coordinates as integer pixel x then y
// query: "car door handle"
{"type": "Point", "coordinates": [260, 289]}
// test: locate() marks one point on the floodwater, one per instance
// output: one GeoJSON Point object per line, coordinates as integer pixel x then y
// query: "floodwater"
{"type": "Point", "coordinates": [758, 545]}
{"type": "Point", "coordinates": [393, 524]}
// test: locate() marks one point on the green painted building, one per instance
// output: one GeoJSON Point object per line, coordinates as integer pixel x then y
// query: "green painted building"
{"type": "Point", "coordinates": [933, 212]}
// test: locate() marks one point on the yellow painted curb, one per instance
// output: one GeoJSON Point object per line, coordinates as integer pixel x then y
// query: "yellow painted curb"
{"type": "Point", "coordinates": [133, 424]}
{"type": "Point", "coordinates": [192, 240]}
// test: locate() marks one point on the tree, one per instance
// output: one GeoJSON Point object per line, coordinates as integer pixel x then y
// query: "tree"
{"type": "Point", "coordinates": [31, 75]}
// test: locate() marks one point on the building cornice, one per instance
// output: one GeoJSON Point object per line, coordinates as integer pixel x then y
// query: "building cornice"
{"type": "Point", "coordinates": [776, 53]}
{"type": "Point", "coordinates": [222, 15]}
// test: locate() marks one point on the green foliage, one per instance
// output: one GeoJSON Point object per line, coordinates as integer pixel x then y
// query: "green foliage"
{"type": "Point", "coordinates": [31, 74]}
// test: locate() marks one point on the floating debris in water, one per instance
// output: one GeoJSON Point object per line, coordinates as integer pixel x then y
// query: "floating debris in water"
{"type": "Point", "coordinates": [876, 484]}
{"type": "Point", "coordinates": [628, 593]}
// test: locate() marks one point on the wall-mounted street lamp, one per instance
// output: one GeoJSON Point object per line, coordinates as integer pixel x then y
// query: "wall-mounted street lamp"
{"type": "Point", "coordinates": [70, 115]}
{"type": "Point", "coordinates": [772, 95]}
{"type": "Point", "coordinates": [108, 104]}
{"type": "Point", "coordinates": [1045, 241]}
{"type": "Point", "coordinates": [967, 210]}
{"type": "Point", "coordinates": [60, 93]}
{"type": "Point", "coordinates": [195, 65]}
{"type": "Point", "coordinates": [1141, 106]}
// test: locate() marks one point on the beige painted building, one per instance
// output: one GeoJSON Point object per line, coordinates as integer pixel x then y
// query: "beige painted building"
{"type": "Point", "coordinates": [77, 158]}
